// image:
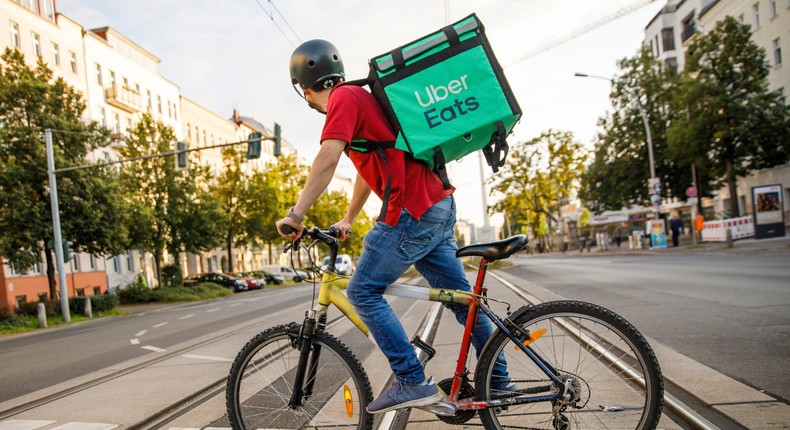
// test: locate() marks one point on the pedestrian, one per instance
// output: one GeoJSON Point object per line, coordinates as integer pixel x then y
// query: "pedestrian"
{"type": "Point", "coordinates": [676, 225]}
{"type": "Point", "coordinates": [414, 228]}
{"type": "Point", "coordinates": [618, 236]}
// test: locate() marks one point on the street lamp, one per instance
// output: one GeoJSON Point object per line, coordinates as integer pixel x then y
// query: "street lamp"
{"type": "Point", "coordinates": [653, 185]}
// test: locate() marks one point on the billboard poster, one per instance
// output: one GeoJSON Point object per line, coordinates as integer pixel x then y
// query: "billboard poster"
{"type": "Point", "coordinates": [768, 204]}
{"type": "Point", "coordinates": [658, 233]}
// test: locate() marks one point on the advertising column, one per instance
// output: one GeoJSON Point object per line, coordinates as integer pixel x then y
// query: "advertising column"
{"type": "Point", "coordinates": [769, 220]}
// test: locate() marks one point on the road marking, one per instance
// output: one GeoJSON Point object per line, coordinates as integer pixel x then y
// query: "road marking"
{"type": "Point", "coordinates": [86, 426]}
{"type": "Point", "coordinates": [233, 305]}
{"type": "Point", "coordinates": [208, 357]}
{"type": "Point", "coordinates": [141, 333]}
{"type": "Point", "coordinates": [162, 324]}
{"type": "Point", "coordinates": [153, 348]}
{"type": "Point", "coordinates": [186, 316]}
{"type": "Point", "coordinates": [213, 310]}
{"type": "Point", "coordinates": [135, 341]}
{"type": "Point", "coordinates": [24, 424]}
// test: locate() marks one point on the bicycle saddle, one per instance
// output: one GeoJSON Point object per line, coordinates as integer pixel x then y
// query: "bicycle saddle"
{"type": "Point", "coordinates": [495, 250]}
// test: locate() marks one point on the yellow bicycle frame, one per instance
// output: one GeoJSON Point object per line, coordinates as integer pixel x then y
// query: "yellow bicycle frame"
{"type": "Point", "coordinates": [330, 293]}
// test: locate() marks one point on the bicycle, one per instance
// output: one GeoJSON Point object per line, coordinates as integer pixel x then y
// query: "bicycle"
{"type": "Point", "coordinates": [572, 364]}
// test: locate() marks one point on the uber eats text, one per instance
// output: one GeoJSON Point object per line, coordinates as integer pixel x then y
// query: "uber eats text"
{"type": "Point", "coordinates": [450, 110]}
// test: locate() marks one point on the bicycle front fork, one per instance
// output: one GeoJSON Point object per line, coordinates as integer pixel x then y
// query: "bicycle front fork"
{"type": "Point", "coordinates": [309, 356]}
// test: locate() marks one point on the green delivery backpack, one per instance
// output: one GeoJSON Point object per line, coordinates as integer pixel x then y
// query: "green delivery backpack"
{"type": "Point", "coordinates": [446, 96]}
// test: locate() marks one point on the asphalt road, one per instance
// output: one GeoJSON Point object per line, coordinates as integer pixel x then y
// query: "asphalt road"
{"type": "Point", "coordinates": [730, 312]}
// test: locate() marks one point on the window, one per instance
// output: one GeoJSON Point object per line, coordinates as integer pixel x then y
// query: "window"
{"type": "Point", "coordinates": [13, 28]}
{"type": "Point", "coordinates": [96, 291]}
{"type": "Point", "coordinates": [148, 99]}
{"type": "Point", "coordinates": [189, 132]}
{"type": "Point", "coordinates": [129, 261]}
{"type": "Point", "coordinates": [774, 9]}
{"type": "Point", "coordinates": [159, 104]}
{"type": "Point", "coordinates": [781, 92]}
{"type": "Point", "coordinates": [116, 264]}
{"type": "Point", "coordinates": [689, 28]}
{"type": "Point", "coordinates": [75, 263]}
{"type": "Point", "coordinates": [117, 119]}
{"type": "Point", "coordinates": [112, 78]}
{"type": "Point", "coordinates": [98, 75]}
{"type": "Point", "coordinates": [92, 260]}
{"type": "Point", "coordinates": [35, 39]}
{"type": "Point", "coordinates": [668, 39]}
{"type": "Point", "coordinates": [129, 124]}
{"type": "Point", "coordinates": [197, 135]}
{"type": "Point", "coordinates": [106, 156]}
{"type": "Point", "coordinates": [169, 110]}
{"type": "Point", "coordinates": [73, 61]}
{"type": "Point", "coordinates": [20, 301]}
{"type": "Point", "coordinates": [741, 20]}
{"type": "Point", "coordinates": [777, 52]}
{"type": "Point", "coordinates": [756, 12]}
{"type": "Point", "coordinates": [658, 49]}
{"type": "Point", "coordinates": [103, 121]}
{"type": "Point", "coordinates": [80, 292]}
{"type": "Point", "coordinates": [55, 54]}
{"type": "Point", "coordinates": [126, 82]}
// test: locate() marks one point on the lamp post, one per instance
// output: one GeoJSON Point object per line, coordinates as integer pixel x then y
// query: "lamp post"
{"type": "Point", "coordinates": [653, 183]}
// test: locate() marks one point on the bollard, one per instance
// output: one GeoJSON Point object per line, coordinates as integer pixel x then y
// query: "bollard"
{"type": "Point", "coordinates": [42, 316]}
{"type": "Point", "coordinates": [729, 238]}
{"type": "Point", "coordinates": [88, 308]}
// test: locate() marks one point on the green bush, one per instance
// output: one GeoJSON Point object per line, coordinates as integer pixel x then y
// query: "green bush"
{"type": "Point", "coordinates": [31, 308]}
{"type": "Point", "coordinates": [136, 294]}
{"type": "Point", "coordinates": [171, 275]}
{"type": "Point", "coordinates": [98, 303]}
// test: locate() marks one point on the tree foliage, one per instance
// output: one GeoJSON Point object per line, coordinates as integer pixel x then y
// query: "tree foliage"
{"type": "Point", "coordinates": [732, 124]}
{"type": "Point", "coordinates": [538, 175]}
{"type": "Point", "coordinates": [92, 213]}
{"type": "Point", "coordinates": [171, 209]}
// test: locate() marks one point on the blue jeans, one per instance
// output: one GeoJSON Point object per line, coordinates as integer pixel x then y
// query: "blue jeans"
{"type": "Point", "coordinates": [429, 244]}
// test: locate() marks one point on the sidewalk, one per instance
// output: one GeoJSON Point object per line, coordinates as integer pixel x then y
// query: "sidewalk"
{"type": "Point", "coordinates": [776, 245]}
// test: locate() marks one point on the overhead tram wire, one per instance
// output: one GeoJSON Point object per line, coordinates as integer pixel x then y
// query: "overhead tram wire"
{"type": "Point", "coordinates": [586, 29]}
{"type": "Point", "coordinates": [271, 16]}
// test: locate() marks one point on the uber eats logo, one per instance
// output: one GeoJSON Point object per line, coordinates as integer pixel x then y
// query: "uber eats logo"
{"type": "Point", "coordinates": [446, 101]}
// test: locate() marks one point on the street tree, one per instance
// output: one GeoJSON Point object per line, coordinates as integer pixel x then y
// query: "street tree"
{"type": "Point", "coordinates": [170, 209]}
{"type": "Point", "coordinates": [91, 211]}
{"type": "Point", "coordinates": [732, 124]}
{"type": "Point", "coordinates": [537, 177]}
{"type": "Point", "coordinates": [231, 192]}
{"type": "Point", "coordinates": [618, 174]}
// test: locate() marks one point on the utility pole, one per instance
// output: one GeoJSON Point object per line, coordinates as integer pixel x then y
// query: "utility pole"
{"type": "Point", "coordinates": [53, 194]}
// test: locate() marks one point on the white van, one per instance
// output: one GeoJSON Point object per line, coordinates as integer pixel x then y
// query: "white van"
{"type": "Point", "coordinates": [343, 264]}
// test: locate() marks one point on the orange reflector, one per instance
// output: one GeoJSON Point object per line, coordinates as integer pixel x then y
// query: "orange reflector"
{"type": "Point", "coordinates": [533, 336]}
{"type": "Point", "coordinates": [349, 401]}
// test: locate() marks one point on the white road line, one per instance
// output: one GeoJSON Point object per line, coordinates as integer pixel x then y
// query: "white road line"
{"type": "Point", "coordinates": [86, 426]}
{"type": "Point", "coordinates": [186, 316]}
{"type": "Point", "coordinates": [24, 424]}
{"type": "Point", "coordinates": [161, 324]}
{"type": "Point", "coordinates": [233, 305]}
{"type": "Point", "coordinates": [135, 341]}
{"type": "Point", "coordinates": [141, 333]}
{"type": "Point", "coordinates": [208, 357]}
{"type": "Point", "coordinates": [213, 310]}
{"type": "Point", "coordinates": [153, 348]}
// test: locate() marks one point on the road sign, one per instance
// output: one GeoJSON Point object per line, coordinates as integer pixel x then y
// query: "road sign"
{"type": "Point", "coordinates": [691, 192]}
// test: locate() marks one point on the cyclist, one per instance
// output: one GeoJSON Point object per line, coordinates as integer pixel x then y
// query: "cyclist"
{"type": "Point", "coordinates": [414, 227]}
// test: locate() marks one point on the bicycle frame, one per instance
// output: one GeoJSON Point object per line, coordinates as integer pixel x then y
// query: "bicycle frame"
{"type": "Point", "coordinates": [330, 293]}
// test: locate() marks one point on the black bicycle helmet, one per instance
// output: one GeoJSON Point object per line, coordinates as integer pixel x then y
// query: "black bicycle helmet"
{"type": "Point", "coordinates": [316, 64]}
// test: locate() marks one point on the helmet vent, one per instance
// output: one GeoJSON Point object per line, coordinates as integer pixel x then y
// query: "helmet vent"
{"type": "Point", "coordinates": [311, 63]}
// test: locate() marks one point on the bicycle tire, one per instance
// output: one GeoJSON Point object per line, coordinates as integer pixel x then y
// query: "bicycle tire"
{"type": "Point", "coordinates": [261, 379]}
{"type": "Point", "coordinates": [581, 342]}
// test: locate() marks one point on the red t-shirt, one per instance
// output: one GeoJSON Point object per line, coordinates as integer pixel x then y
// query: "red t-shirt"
{"type": "Point", "coordinates": [352, 114]}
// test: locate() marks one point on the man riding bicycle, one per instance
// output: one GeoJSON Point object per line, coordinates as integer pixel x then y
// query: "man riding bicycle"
{"type": "Point", "coordinates": [414, 228]}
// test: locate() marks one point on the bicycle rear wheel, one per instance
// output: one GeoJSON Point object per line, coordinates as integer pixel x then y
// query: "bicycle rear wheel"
{"type": "Point", "coordinates": [260, 385]}
{"type": "Point", "coordinates": [610, 368]}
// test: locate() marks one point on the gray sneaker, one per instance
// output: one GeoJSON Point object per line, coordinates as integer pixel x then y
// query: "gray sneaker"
{"type": "Point", "coordinates": [401, 395]}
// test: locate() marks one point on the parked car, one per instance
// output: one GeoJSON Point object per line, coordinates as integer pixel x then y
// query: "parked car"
{"type": "Point", "coordinates": [343, 264]}
{"type": "Point", "coordinates": [231, 282]}
{"type": "Point", "coordinates": [287, 273]}
{"type": "Point", "coordinates": [271, 279]}
{"type": "Point", "coordinates": [254, 282]}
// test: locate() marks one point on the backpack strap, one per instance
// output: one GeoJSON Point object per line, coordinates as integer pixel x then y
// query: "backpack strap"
{"type": "Point", "coordinates": [377, 147]}
{"type": "Point", "coordinates": [440, 167]}
{"type": "Point", "coordinates": [497, 149]}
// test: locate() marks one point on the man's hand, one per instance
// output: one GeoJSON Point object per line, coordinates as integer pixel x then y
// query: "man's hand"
{"type": "Point", "coordinates": [345, 229]}
{"type": "Point", "coordinates": [295, 225]}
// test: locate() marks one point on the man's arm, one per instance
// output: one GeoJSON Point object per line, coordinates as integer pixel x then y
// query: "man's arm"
{"type": "Point", "coordinates": [318, 179]}
{"type": "Point", "coordinates": [358, 199]}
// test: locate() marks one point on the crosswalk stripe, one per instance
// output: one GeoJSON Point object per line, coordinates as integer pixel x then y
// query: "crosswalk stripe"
{"type": "Point", "coordinates": [86, 426]}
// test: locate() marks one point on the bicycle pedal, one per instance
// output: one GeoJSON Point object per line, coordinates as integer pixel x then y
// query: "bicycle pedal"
{"type": "Point", "coordinates": [439, 408]}
{"type": "Point", "coordinates": [424, 347]}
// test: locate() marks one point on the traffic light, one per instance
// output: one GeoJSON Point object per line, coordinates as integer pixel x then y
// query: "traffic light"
{"type": "Point", "coordinates": [181, 155]}
{"type": "Point", "coordinates": [68, 250]}
{"type": "Point", "coordinates": [277, 140]}
{"type": "Point", "coordinates": [254, 145]}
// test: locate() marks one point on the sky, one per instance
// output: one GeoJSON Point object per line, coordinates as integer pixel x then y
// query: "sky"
{"type": "Point", "coordinates": [234, 54]}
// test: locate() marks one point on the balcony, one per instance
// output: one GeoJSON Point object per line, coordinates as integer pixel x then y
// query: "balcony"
{"type": "Point", "coordinates": [688, 30]}
{"type": "Point", "coordinates": [124, 98]}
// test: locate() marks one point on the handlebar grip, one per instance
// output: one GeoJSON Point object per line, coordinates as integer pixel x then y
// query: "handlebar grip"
{"type": "Point", "coordinates": [286, 229]}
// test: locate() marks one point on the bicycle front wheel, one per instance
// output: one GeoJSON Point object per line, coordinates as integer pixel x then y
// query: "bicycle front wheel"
{"type": "Point", "coordinates": [261, 378]}
{"type": "Point", "coordinates": [612, 375]}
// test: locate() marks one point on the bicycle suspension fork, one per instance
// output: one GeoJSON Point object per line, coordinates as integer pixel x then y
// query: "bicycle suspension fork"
{"type": "Point", "coordinates": [309, 354]}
